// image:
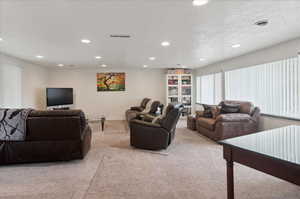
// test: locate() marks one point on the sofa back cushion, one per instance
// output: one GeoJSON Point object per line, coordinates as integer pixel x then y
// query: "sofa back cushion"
{"type": "Point", "coordinates": [55, 125]}
{"type": "Point", "coordinates": [61, 113]}
{"type": "Point", "coordinates": [154, 107]}
{"type": "Point", "coordinates": [229, 108]}
{"type": "Point", "coordinates": [145, 102]}
{"type": "Point", "coordinates": [245, 107]}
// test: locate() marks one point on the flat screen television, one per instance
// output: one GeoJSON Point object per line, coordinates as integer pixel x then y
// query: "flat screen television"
{"type": "Point", "coordinates": [59, 96]}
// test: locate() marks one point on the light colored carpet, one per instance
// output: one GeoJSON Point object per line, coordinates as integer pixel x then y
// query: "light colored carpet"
{"type": "Point", "coordinates": [191, 168]}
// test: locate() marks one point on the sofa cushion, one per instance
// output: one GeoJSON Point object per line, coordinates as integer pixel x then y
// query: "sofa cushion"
{"type": "Point", "coordinates": [208, 123]}
{"type": "Point", "coordinates": [245, 107]}
{"type": "Point", "coordinates": [234, 117]}
{"type": "Point", "coordinates": [230, 108]}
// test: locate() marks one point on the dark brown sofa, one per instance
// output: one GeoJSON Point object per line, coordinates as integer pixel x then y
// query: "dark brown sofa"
{"type": "Point", "coordinates": [231, 125]}
{"type": "Point", "coordinates": [50, 136]}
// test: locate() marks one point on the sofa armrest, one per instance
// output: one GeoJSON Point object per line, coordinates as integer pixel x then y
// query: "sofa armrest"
{"type": "Point", "coordinates": [256, 114]}
{"type": "Point", "coordinates": [149, 118]}
{"type": "Point", "coordinates": [136, 108]}
{"type": "Point", "coordinates": [144, 123]}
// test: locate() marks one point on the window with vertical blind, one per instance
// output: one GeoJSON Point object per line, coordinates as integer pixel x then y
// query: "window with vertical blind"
{"type": "Point", "coordinates": [274, 87]}
{"type": "Point", "coordinates": [10, 86]}
{"type": "Point", "coordinates": [209, 89]}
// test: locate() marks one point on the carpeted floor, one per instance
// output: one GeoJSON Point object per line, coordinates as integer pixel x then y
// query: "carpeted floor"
{"type": "Point", "coordinates": [191, 168]}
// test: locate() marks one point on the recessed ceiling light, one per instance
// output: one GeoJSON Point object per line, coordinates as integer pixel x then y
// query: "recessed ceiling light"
{"type": "Point", "coordinates": [199, 2]}
{"type": "Point", "coordinates": [98, 57]}
{"type": "Point", "coordinates": [202, 59]}
{"type": "Point", "coordinates": [145, 66]}
{"type": "Point", "coordinates": [165, 43]}
{"type": "Point", "coordinates": [85, 41]}
{"type": "Point", "coordinates": [1, 39]}
{"type": "Point", "coordinates": [152, 58]}
{"type": "Point", "coordinates": [236, 45]}
{"type": "Point", "coordinates": [263, 22]}
{"type": "Point", "coordinates": [39, 56]}
{"type": "Point", "coordinates": [104, 65]}
{"type": "Point", "coordinates": [60, 65]}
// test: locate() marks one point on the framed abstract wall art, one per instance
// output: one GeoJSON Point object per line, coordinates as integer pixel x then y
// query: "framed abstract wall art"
{"type": "Point", "coordinates": [110, 82]}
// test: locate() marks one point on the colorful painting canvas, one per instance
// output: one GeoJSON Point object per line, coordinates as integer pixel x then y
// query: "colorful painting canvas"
{"type": "Point", "coordinates": [110, 82]}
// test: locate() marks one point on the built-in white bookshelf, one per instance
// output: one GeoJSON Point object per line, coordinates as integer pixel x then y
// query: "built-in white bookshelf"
{"type": "Point", "coordinates": [180, 90]}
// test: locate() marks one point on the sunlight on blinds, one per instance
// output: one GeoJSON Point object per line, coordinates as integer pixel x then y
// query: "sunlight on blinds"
{"type": "Point", "coordinates": [209, 89]}
{"type": "Point", "coordinates": [274, 87]}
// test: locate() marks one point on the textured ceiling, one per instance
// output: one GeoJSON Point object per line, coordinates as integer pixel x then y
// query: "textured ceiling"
{"type": "Point", "coordinates": [54, 28]}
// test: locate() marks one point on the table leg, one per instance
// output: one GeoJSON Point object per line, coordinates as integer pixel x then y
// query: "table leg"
{"type": "Point", "coordinates": [230, 182]}
{"type": "Point", "coordinates": [102, 124]}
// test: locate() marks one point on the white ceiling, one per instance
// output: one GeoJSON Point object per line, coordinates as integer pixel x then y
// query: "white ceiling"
{"type": "Point", "coordinates": [54, 28]}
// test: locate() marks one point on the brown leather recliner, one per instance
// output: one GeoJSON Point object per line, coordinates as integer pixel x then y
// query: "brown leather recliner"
{"type": "Point", "coordinates": [231, 125]}
{"type": "Point", "coordinates": [50, 136]}
{"type": "Point", "coordinates": [155, 136]}
{"type": "Point", "coordinates": [133, 111]}
{"type": "Point", "coordinates": [142, 106]}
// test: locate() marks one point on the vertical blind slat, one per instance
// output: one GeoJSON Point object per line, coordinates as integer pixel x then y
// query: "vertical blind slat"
{"type": "Point", "coordinates": [274, 87]}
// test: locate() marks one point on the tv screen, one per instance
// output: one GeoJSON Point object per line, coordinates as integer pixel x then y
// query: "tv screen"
{"type": "Point", "coordinates": [59, 96]}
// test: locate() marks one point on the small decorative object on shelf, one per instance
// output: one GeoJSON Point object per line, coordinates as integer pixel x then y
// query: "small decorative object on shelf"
{"type": "Point", "coordinates": [179, 88]}
{"type": "Point", "coordinates": [179, 71]}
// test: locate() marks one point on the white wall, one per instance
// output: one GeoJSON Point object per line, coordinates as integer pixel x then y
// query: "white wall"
{"type": "Point", "coordinates": [274, 53]}
{"type": "Point", "coordinates": [140, 83]}
{"type": "Point", "coordinates": [34, 81]}
{"type": "Point", "coordinates": [10, 86]}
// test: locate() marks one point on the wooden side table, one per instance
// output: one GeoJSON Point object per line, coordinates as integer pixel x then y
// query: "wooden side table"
{"type": "Point", "coordinates": [191, 122]}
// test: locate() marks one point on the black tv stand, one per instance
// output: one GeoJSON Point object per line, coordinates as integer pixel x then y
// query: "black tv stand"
{"type": "Point", "coordinates": [61, 108]}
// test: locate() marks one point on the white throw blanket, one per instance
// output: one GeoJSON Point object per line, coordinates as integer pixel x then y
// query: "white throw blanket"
{"type": "Point", "coordinates": [148, 107]}
{"type": "Point", "coordinates": [13, 124]}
